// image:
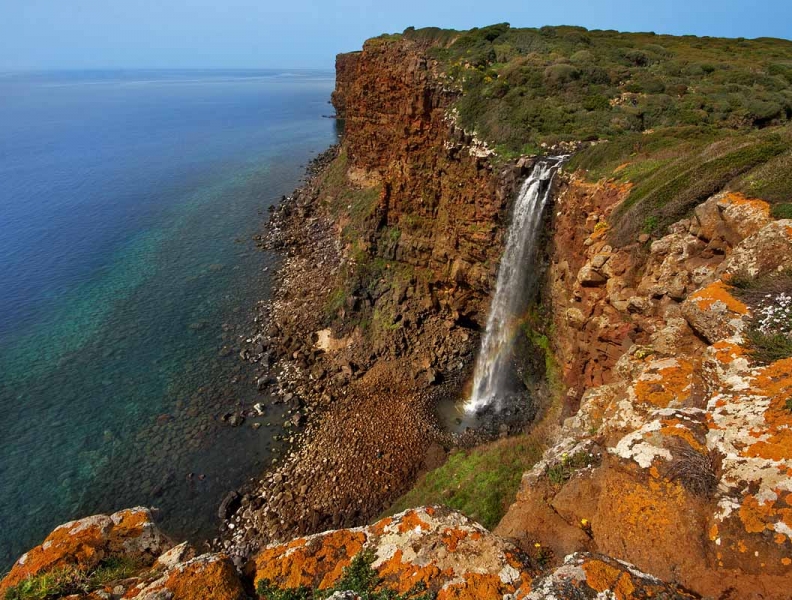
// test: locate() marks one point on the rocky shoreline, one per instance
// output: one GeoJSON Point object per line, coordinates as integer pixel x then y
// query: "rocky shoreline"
{"type": "Point", "coordinates": [346, 464]}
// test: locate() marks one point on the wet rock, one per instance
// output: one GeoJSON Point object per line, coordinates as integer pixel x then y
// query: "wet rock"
{"type": "Point", "coordinates": [229, 505]}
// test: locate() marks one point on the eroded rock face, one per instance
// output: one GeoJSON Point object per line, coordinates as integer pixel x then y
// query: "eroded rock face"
{"type": "Point", "coordinates": [89, 541]}
{"type": "Point", "coordinates": [678, 459]}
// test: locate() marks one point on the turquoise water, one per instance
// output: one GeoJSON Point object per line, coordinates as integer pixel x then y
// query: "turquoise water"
{"type": "Point", "coordinates": [127, 275]}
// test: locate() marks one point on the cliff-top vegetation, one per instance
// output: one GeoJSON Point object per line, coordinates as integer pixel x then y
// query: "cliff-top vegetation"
{"type": "Point", "coordinates": [684, 116]}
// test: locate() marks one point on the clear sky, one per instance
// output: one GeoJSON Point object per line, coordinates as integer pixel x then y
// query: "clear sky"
{"type": "Point", "coordinates": [41, 34]}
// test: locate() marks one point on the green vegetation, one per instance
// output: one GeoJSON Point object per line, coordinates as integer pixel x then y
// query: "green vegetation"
{"type": "Point", "coordinates": [356, 205]}
{"type": "Point", "coordinates": [782, 211]}
{"type": "Point", "coordinates": [769, 297]}
{"type": "Point", "coordinates": [358, 577]}
{"type": "Point", "coordinates": [533, 86]}
{"type": "Point", "coordinates": [72, 580]}
{"type": "Point", "coordinates": [768, 347]}
{"type": "Point", "coordinates": [480, 482]}
{"type": "Point", "coordinates": [562, 471]}
{"type": "Point", "coordinates": [679, 117]}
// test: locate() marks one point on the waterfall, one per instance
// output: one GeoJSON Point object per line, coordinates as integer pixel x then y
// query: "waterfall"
{"type": "Point", "coordinates": [513, 287]}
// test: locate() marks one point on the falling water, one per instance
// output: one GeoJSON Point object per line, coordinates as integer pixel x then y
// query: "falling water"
{"type": "Point", "coordinates": [511, 289]}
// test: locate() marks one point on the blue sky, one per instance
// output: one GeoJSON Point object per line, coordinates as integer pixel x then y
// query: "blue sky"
{"type": "Point", "coordinates": [42, 34]}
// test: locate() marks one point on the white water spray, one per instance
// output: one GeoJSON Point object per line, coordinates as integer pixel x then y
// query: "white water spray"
{"type": "Point", "coordinates": [511, 289]}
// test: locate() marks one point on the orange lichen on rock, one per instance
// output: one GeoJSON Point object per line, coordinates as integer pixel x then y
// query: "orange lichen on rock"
{"type": "Point", "coordinates": [665, 382]}
{"type": "Point", "coordinates": [85, 543]}
{"type": "Point", "coordinates": [209, 577]}
{"type": "Point", "coordinates": [316, 561]}
{"type": "Point", "coordinates": [678, 428]}
{"type": "Point", "coordinates": [718, 291]}
{"type": "Point", "coordinates": [452, 537]}
{"type": "Point", "coordinates": [603, 577]}
{"type": "Point", "coordinates": [412, 520]}
{"type": "Point", "coordinates": [435, 546]}
{"type": "Point", "coordinates": [403, 576]}
{"type": "Point", "coordinates": [476, 586]}
{"type": "Point", "coordinates": [726, 352]}
{"type": "Point", "coordinates": [738, 199]}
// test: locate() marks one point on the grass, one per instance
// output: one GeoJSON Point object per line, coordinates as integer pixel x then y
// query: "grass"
{"type": "Point", "coordinates": [359, 577]}
{"type": "Point", "coordinates": [72, 580]}
{"type": "Point", "coordinates": [782, 211]}
{"type": "Point", "coordinates": [767, 348]}
{"type": "Point", "coordinates": [672, 170]}
{"type": "Point", "coordinates": [481, 483]}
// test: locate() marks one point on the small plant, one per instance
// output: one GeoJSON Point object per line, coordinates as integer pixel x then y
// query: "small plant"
{"type": "Point", "coordinates": [112, 569]}
{"type": "Point", "coordinates": [68, 580]}
{"type": "Point", "coordinates": [696, 471]}
{"type": "Point", "coordinates": [359, 577]}
{"type": "Point", "coordinates": [562, 471]}
{"type": "Point", "coordinates": [768, 347]}
{"type": "Point", "coordinates": [542, 556]}
{"type": "Point", "coordinates": [769, 335]}
{"type": "Point", "coordinates": [788, 404]}
{"type": "Point", "coordinates": [650, 224]}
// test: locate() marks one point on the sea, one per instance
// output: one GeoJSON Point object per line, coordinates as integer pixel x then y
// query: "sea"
{"type": "Point", "coordinates": [128, 273]}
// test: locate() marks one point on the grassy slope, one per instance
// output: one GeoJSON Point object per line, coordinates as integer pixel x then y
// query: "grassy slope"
{"type": "Point", "coordinates": [480, 483]}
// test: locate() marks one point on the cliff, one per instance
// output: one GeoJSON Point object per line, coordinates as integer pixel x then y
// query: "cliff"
{"type": "Point", "coordinates": [664, 322]}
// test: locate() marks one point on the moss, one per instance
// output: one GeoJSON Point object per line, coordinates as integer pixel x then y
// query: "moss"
{"type": "Point", "coordinates": [480, 483]}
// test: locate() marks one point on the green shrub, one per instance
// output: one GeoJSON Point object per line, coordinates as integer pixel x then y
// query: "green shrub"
{"type": "Point", "coordinates": [562, 471]}
{"type": "Point", "coordinates": [553, 72]}
{"type": "Point", "coordinates": [782, 211]}
{"type": "Point", "coordinates": [68, 580]}
{"type": "Point", "coordinates": [768, 347]}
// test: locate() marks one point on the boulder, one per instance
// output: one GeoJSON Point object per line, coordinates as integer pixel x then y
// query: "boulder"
{"type": "Point", "coordinates": [589, 276]}
{"type": "Point", "coordinates": [730, 217]}
{"type": "Point", "coordinates": [766, 251]}
{"type": "Point", "coordinates": [714, 313]}
{"type": "Point", "coordinates": [452, 555]}
{"type": "Point", "coordinates": [585, 575]}
{"type": "Point", "coordinates": [207, 577]}
{"type": "Point", "coordinates": [87, 542]}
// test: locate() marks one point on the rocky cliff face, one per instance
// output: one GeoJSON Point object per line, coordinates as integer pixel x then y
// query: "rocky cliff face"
{"type": "Point", "coordinates": [675, 456]}
{"type": "Point", "coordinates": [441, 201]}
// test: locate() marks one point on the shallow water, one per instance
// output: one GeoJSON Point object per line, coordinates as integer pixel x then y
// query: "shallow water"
{"type": "Point", "coordinates": [127, 206]}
